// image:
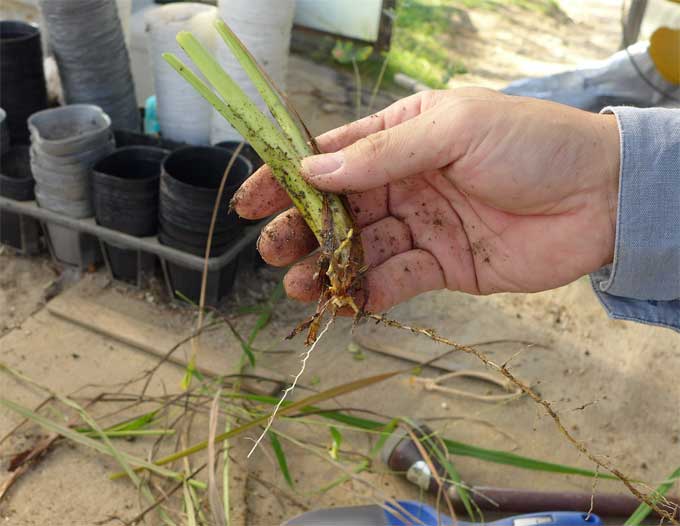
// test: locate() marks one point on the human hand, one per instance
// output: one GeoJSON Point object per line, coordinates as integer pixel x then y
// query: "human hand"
{"type": "Point", "coordinates": [464, 189]}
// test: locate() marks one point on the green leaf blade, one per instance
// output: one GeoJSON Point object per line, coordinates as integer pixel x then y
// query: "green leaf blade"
{"type": "Point", "coordinates": [280, 457]}
{"type": "Point", "coordinates": [643, 510]}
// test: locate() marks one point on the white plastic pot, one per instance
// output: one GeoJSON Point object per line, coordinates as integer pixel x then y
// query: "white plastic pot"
{"type": "Point", "coordinates": [183, 114]}
{"type": "Point", "coordinates": [264, 26]}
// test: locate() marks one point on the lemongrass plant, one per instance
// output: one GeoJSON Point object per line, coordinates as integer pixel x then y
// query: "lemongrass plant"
{"type": "Point", "coordinates": [282, 147]}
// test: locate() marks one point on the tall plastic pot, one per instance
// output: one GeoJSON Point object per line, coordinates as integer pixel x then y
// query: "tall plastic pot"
{"type": "Point", "coordinates": [16, 182]}
{"type": "Point", "coordinates": [23, 90]}
{"type": "Point", "coordinates": [187, 283]}
{"type": "Point", "coordinates": [190, 180]}
{"type": "Point", "coordinates": [183, 114]}
{"type": "Point", "coordinates": [94, 66]}
{"type": "Point", "coordinates": [125, 196]}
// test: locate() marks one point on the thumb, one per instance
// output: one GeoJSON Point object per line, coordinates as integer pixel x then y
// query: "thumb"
{"type": "Point", "coordinates": [416, 145]}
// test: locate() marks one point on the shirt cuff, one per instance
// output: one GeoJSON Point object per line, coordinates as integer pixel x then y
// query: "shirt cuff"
{"type": "Point", "coordinates": [646, 264]}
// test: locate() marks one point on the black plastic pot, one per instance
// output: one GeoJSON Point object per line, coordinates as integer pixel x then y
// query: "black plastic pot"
{"type": "Point", "coordinates": [130, 138]}
{"type": "Point", "coordinates": [129, 265]}
{"type": "Point", "coordinates": [125, 189]}
{"type": "Point", "coordinates": [23, 90]}
{"type": "Point", "coordinates": [190, 180]}
{"type": "Point", "coordinates": [198, 239]}
{"type": "Point", "coordinates": [189, 185]}
{"type": "Point", "coordinates": [16, 179]}
{"type": "Point", "coordinates": [125, 196]}
{"type": "Point", "coordinates": [256, 161]}
{"type": "Point", "coordinates": [16, 182]}
{"type": "Point", "coordinates": [4, 133]}
{"type": "Point", "coordinates": [187, 283]}
{"type": "Point", "coordinates": [247, 151]}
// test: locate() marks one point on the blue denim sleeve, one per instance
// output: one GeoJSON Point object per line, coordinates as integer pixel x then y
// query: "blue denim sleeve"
{"type": "Point", "coordinates": [643, 282]}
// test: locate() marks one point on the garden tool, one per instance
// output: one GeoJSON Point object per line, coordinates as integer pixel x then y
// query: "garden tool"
{"type": "Point", "coordinates": [413, 513]}
{"type": "Point", "coordinates": [402, 455]}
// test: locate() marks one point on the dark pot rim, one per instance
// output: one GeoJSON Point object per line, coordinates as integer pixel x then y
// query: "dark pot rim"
{"type": "Point", "coordinates": [30, 30]}
{"type": "Point", "coordinates": [174, 155]}
{"type": "Point", "coordinates": [247, 151]}
{"type": "Point", "coordinates": [142, 181]}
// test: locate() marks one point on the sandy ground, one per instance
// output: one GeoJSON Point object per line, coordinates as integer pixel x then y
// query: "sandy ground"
{"type": "Point", "coordinates": [498, 47]}
{"type": "Point", "coordinates": [615, 384]}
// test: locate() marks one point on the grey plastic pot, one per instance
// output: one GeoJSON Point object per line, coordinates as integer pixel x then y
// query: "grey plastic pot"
{"type": "Point", "coordinates": [56, 186]}
{"type": "Point", "coordinates": [70, 129]}
{"type": "Point", "coordinates": [86, 158]}
{"type": "Point", "coordinates": [72, 247]}
{"type": "Point", "coordinates": [78, 209]}
{"type": "Point", "coordinates": [94, 66]}
{"type": "Point", "coordinates": [68, 246]}
{"type": "Point", "coordinates": [72, 169]}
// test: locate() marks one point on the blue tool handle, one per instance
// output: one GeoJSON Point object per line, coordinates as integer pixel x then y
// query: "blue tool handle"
{"type": "Point", "coordinates": [550, 518]}
{"type": "Point", "coordinates": [428, 516]}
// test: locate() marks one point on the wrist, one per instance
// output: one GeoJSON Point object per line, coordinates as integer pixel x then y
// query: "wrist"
{"type": "Point", "coordinates": [610, 162]}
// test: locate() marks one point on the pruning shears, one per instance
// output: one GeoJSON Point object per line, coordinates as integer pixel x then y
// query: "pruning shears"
{"type": "Point", "coordinates": [413, 513]}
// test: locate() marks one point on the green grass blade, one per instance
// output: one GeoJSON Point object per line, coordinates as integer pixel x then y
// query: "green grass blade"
{"type": "Point", "coordinates": [510, 459]}
{"type": "Point", "coordinates": [336, 437]}
{"type": "Point", "coordinates": [83, 440]}
{"type": "Point", "coordinates": [643, 509]}
{"type": "Point", "coordinates": [189, 508]}
{"type": "Point", "coordinates": [285, 409]}
{"type": "Point", "coordinates": [129, 433]}
{"type": "Point", "coordinates": [266, 88]}
{"type": "Point", "coordinates": [245, 346]}
{"type": "Point", "coordinates": [266, 315]}
{"type": "Point", "coordinates": [454, 447]}
{"type": "Point", "coordinates": [280, 457]}
{"type": "Point", "coordinates": [129, 424]}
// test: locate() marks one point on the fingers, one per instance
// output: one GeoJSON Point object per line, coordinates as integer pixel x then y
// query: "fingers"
{"type": "Point", "coordinates": [396, 280]}
{"type": "Point", "coordinates": [383, 240]}
{"type": "Point", "coordinates": [299, 281]}
{"type": "Point", "coordinates": [394, 114]}
{"type": "Point", "coordinates": [260, 196]}
{"type": "Point", "coordinates": [419, 144]}
{"type": "Point", "coordinates": [287, 239]}
{"type": "Point", "coordinates": [368, 207]}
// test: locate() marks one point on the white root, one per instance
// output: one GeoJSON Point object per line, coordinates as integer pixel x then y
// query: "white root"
{"type": "Point", "coordinates": [305, 357]}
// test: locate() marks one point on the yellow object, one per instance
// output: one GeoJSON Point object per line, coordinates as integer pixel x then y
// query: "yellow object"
{"type": "Point", "coordinates": [664, 48]}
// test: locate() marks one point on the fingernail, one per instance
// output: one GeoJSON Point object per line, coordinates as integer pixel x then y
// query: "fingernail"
{"type": "Point", "coordinates": [320, 165]}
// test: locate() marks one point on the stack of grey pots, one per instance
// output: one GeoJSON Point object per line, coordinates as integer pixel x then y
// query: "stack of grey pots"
{"type": "Point", "coordinates": [65, 144]}
{"type": "Point", "coordinates": [87, 39]}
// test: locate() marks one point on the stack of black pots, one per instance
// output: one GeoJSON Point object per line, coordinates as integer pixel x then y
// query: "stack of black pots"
{"type": "Point", "coordinates": [190, 180]}
{"type": "Point", "coordinates": [16, 182]}
{"type": "Point", "coordinates": [250, 256]}
{"type": "Point", "coordinates": [22, 78]}
{"type": "Point", "coordinates": [125, 197]}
